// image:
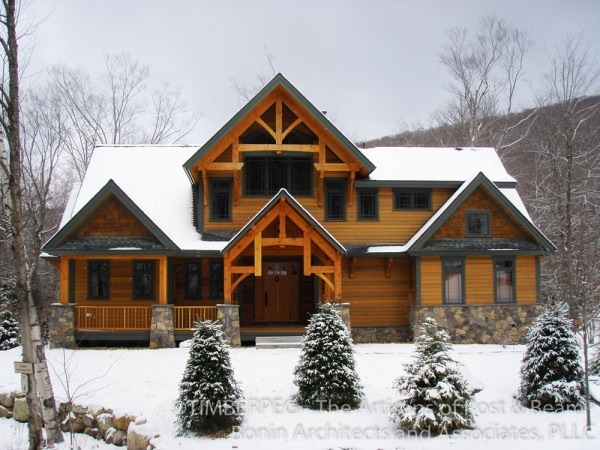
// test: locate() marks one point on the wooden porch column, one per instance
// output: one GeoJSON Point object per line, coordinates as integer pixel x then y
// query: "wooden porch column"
{"type": "Point", "coordinates": [337, 280]}
{"type": "Point", "coordinates": [163, 280]}
{"type": "Point", "coordinates": [258, 255]}
{"type": "Point", "coordinates": [227, 280]}
{"type": "Point", "coordinates": [64, 280]}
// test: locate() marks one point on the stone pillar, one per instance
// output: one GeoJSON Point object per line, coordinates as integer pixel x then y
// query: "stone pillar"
{"type": "Point", "coordinates": [343, 309]}
{"type": "Point", "coordinates": [228, 316]}
{"type": "Point", "coordinates": [62, 325]}
{"type": "Point", "coordinates": [162, 331]}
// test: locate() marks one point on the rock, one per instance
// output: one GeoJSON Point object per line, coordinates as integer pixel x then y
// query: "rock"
{"type": "Point", "coordinates": [120, 438]}
{"type": "Point", "coordinates": [93, 432]}
{"type": "Point", "coordinates": [140, 420]}
{"type": "Point", "coordinates": [20, 410]}
{"type": "Point", "coordinates": [96, 410]}
{"type": "Point", "coordinates": [88, 420]}
{"type": "Point", "coordinates": [105, 421]}
{"type": "Point", "coordinates": [7, 399]}
{"type": "Point", "coordinates": [121, 420]}
{"type": "Point", "coordinates": [78, 409]}
{"type": "Point", "coordinates": [109, 435]}
{"type": "Point", "coordinates": [139, 436]}
{"type": "Point", "coordinates": [72, 424]}
{"type": "Point", "coordinates": [5, 412]}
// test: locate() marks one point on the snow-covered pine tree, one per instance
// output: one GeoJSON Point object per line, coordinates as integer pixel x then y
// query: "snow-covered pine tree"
{"type": "Point", "coordinates": [551, 372]}
{"type": "Point", "coordinates": [9, 331]}
{"type": "Point", "coordinates": [326, 373]}
{"type": "Point", "coordinates": [434, 396]}
{"type": "Point", "coordinates": [210, 399]}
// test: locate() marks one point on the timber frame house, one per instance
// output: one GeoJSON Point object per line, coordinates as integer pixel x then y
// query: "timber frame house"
{"type": "Point", "coordinates": [279, 211]}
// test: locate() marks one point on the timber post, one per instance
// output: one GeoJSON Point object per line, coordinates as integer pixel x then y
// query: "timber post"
{"type": "Point", "coordinates": [62, 325]}
{"type": "Point", "coordinates": [228, 316]}
{"type": "Point", "coordinates": [162, 331]}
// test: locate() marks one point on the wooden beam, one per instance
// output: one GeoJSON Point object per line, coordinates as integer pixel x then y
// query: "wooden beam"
{"type": "Point", "coordinates": [227, 291]}
{"type": "Point", "coordinates": [323, 277]}
{"type": "Point", "coordinates": [294, 124]}
{"type": "Point", "coordinates": [278, 121]}
{"type": "Point", "coordinates": [258, 255]}
{"type": "Point", "coordinates": [351, 188]}
{"type": "Point", "coordinates": [306, 148]}
{"type": "Point", "coordinates": [336, 167]}
{"type": "Point", "coordinates": [163, 282]}
{"type": "Point", "coordinates": [323, 269]}
{"type": "Point", "coordinates": [353, 262]}
{"type": "Point", "coordinates": [306, 254]}
{"type": "Point", "coordinates": [242, 269]}
{"type": "Point", "coordinates": [205, 186]}
{"type": "Point", "coordinates": [388, 267]}
{"type": "Point", "coordinates": [293, 242]}
{"type": "Point", "coordinates": [235, 159]}
{"type": "Point", "coordinates": [282, 216]}
{"type": "Point", "coordinates": [64, 280]}
{"type": "Point", "coordinates": [241, 278]}
{"type": "Point", "coordinates": [263, 124]}
{"type": "Point", "coordinates": [223, 166]}
{"type": "Point", "coordinates": [337, 280]}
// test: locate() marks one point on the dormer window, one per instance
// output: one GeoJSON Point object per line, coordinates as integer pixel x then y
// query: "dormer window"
{"type": "Point", "coordinates": [264, 176]}
{"type": "Point", "coordinates": [477, 223]}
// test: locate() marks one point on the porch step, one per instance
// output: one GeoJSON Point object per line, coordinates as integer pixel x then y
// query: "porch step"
{"type": "Point", "coordinates": [278, 342]}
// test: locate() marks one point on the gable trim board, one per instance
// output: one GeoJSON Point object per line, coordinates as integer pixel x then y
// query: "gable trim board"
{"type": "Point", "coordinates": [279, 80]}
{"type": "Point", "coordinates": [110, 188]}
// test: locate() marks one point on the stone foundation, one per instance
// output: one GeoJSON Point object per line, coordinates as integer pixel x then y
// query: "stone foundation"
{"type": "Point", "coordinates": [62, 326]}
{"type": "Point", "coordinates": [480, 324]}
{"type": "Point", "coordinates": [162, 333]}
{"type": "Point", "coordinates": [228, 317]}
{"type": "Point", "coordinates": [343, 309]}
{"type": "Point", "coordinates": [381, 334]}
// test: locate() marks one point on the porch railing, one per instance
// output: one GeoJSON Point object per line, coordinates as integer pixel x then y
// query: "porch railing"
{"type": "Point", "coordinates": [185, 316]}
{"type": "Point", "coordinates": [114, 318]}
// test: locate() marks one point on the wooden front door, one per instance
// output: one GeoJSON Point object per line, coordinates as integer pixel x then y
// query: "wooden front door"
{"type": "Point", "coordinates": [277, 292]}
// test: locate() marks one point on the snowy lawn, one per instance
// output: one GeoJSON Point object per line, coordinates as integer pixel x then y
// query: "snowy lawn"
{"type": "Point", "coordinates": [143, 381]}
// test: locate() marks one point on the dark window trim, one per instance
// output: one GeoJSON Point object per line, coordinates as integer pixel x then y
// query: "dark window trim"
{"type": "Point", "coordinates": [514, 279]}
{"type": "Point", "coordinates": [359, 192]}
{"type": "Point", "coordinates": [152, 295]}
{"type": "Point", "coordinates": [344, 190]}
{"type": "Point", "coordinates": [463, 283]}
{"type": "Point", "coordinates": [186, 278]}
{"type": "Point", "coordinates": [412, 193]}
{"type": "Point", "coordinates": [210, 282]}
{"type": "Point", "coordinates": [471, 212]}
{"type": "Point", "coordinates": [288, 157]}
{"type": "Point", "coordinates": [89, 270]}
{"type": "Point", "coordinates": [211, 184]}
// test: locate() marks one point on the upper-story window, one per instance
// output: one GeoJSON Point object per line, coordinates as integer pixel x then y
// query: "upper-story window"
{"type": "Point", "coordinates": [412, 199]}
{"type": "Point", "coordinates": [477, 223]}
{"type": "Point", "coordinates": [220, 200]}
{"type": "Point", "coordinates": [266, 175]}
{"type": "Point", "coordinates": [335, 199]}
{"type": "Point", "coordinates": [367, 204]}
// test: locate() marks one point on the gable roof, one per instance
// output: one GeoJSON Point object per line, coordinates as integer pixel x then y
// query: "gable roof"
{"type": "Point", "coordinates": [280, 80]}
{"type": "Point", "coordinates": [284, 194]}
{"type": "Point", "coordinates": [429, 228]}
{"type": "Point", "coordinates": [110, 188]}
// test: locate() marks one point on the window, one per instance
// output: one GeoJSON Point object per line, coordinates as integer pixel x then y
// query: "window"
{"type": "Point", "coordinates": [412, 199]}
{"type": "Point", "coordinates": [265, 176]}
{"type": "Point", "coordinates": [504, 280]}
{"type": "Point", "coordinates": [453, 281]}
{"type": "Point", "coordinates": [193, 277]}
{"type": "Point", "coordinates": [220, 200]}
{"type": "Point", "coordinates": [478, 223]}
{"type": "Point", "coordinates": [368, 204]}
{"type": "Point", "coordinates": [143, 280]}
{"type": "Point", "coordinates": [216, 279]}
{"type": "Point", "coordinates": [99, 280]}
{"type": "Point", "coordinates": [335, 200]}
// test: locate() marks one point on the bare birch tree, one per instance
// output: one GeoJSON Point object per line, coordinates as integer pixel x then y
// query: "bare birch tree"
{"type": "Point", "coordinates": [13, 168]}
{"type": "Point", "coordinates": [486, 71]}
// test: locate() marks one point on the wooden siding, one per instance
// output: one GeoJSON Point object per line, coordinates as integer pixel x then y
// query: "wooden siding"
{"type": "Point", "coordinates": [501, 225]}
{"type": "Point", "coordinates": [112, 219]}
{"type": "Point", "coordinates": [479, 274]}
{"type": "Point", "coordinates": [431, 280]}
{"type": "Point", "coordinates": [392, 226]}
{"type": "Point", "coordinates": [526, 279]}
{"type": "Point", "coordinates": [374, 299]}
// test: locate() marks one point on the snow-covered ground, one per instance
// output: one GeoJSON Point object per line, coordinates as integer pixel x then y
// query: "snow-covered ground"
{"type": "Point", "coordinates": [143, 381]}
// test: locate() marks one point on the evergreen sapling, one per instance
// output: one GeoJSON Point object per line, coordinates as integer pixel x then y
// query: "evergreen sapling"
{"type": "Point", "coordinates": [435, 397]}
{"type": "Point", "coordinates": [210, 400]}
{"type": "Point", "coordinates": [9, 331]}
{"type": "Point", "coordinates": [326, 375]}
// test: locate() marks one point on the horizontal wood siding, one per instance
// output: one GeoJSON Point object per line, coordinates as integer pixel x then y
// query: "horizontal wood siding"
{"type": "Point", "coordinates": [526, 279]}
{"type": "Point", "coordinates": [374, 299]}
{"type": "Point", "coordinates": [392, 226]}
{"type": "Point", "coordinates": [479, 272]}
{"type": "Point", "coordinates": [501, 226]}
{"type": "Point", "coordinates": [120, 284]}
{"type": "Point", "coordinates": [431, 281]}
{"type": "Point", "coordinates": [111, 219]}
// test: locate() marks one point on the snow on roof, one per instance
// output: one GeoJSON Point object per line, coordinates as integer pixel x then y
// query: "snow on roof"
{"type": "Point", "coordinates": [435, 164]}
{"type": "Point", "coordinates": [154, 179]}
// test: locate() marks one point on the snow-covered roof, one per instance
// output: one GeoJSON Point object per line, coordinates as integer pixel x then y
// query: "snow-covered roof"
{"type": "Point", "coordinates": [436, 164]}
{"type": "Point", "coordinates": [153, 177]}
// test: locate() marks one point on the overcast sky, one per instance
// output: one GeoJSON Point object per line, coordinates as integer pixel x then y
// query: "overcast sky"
{"type": "Point", "coordinates": [372, 64]}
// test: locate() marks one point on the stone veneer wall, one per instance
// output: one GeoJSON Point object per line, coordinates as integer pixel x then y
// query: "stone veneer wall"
{"type": "Point", "coordinates": [228, 316]}
{"type": "Point", "coordinates": [480, 324]}
{"type": "Point", "coordinates": [343, 309]}
{"type": "Point", "coordinates": [162, 333]}
{"type": "Point", "coordinates": [381, 334]}
{"type": "Point", "coordinates": [62, 326]}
